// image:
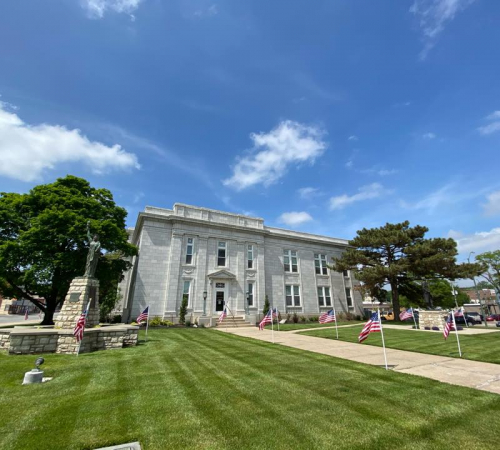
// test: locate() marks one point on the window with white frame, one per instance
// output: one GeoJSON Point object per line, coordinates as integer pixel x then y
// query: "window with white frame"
{"type": "Point", "coordinates": [292, 294]}
{"type": "Point", "coordinates": [250, 256]}
{"type": "Point", "coordinates": [346, 273]}
{"type": "Point", "coordinates": [324, 298]}
{"type": "Point", "coordinates": [221, 254]}
{"type": "Point", "coordinates": [186, 292]}
{"type": "Point", "coordinates": [290, 261]}
{"type": "Point", "coordinates": [320, 264]}
{"type": "Point", "coordinates": [250, 293]}
{"type": "Point", "coordinates": [348, 297]}
{"type": "Point", "coordinates": [189, 251]}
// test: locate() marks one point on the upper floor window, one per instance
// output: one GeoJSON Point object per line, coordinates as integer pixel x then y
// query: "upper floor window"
{"type": "Point", "coordinates": [292, 293]}
{"type": "Point", "coordinates": [221, 254]}
{"type": "Point", "coordinates": [346, 273]}
{"type": "Point", "coordinates": [185, 292]}
{"type": "Point", "coordinates": [189, 251]}
{"type": "Point", "coordinates": [320, 264]}
{"type": "Point", "coordinates": [290, 261]}
{"type": "Point", "coordinates": [250, 256]}
{"type": "Point", "coordinates": [250, 294]}
{"type": "Point", "coordinates": [348, 297]}
{"type": "Point", "coordinates": [324, 296]}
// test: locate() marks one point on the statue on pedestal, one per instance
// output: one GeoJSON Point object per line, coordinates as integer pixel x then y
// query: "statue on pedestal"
{"type": "Point", "coordinates": [93, 254]}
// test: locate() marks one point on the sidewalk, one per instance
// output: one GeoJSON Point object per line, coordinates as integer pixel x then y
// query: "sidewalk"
{"type": "Point", "coordinates": [462, 372]}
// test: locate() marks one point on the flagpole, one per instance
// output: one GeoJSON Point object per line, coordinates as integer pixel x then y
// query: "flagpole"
{"type": "Point", "coordinates": [278, 318]}
{"type": "Point", "coordinates": [414, 320]}
{"type": "Point", "coordinates": [383, 341]}
{"type": "Point", "coordinates": [456, 333]}
{"type": "Point", "coordinates": [147, 325]}
{"type": "Point", "coordinates": [86, 314]}
{"type": "Point", "coordinates": [272, 323]}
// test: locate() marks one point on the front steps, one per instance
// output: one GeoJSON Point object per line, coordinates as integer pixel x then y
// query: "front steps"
{"type": "Point", "coordinates": [233, 322]}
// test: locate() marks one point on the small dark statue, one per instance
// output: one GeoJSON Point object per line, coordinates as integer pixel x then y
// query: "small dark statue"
{"type": "Point", "coordinates": [93, 254]}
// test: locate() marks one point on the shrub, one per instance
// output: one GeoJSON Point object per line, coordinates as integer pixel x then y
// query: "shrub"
{"type": "Point", "coordinates": [313, 319]}
{"type": "Point", "coordinates": [303, 319]}
{"type": "Point", "coordinates": [133, 323]}
{"type": "Point", "coordinates": [295, 318]}
{"type": "Point", "coordinates": [183, 310]}
{"type": "Point", "coordinates": [167, 323]}
{"type": "Point", "coordinates": [116, 319]}
{"type": "Point", "coordinates": [349, 316]}
{"type": "Point", "coordinates": [155, 321]}
{"type": "Point", "coordinates": [188, 323]}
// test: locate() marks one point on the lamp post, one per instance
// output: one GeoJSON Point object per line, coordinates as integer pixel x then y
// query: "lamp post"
{"type": "Point", "coordinates": [204, 303]}
{"type": "Point", "coordinates": [477, 293]}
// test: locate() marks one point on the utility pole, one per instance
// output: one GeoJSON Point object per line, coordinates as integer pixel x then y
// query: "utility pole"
{"type": "Point", "coordinates": [477, 294]}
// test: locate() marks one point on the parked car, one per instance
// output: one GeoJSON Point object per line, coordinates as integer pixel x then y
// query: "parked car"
{"type": "Point", "coordinates": [498, 324]}
{"type": "Point", "coordinates": [460, 320]}
{"type": "Point", "coordinates": [493, 317]}
{"type": "Point", "coordinates": [478, 318]}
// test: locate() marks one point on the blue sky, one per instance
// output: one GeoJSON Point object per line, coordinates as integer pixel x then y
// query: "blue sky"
{"type": "Point", "coordinates": [323, 116]}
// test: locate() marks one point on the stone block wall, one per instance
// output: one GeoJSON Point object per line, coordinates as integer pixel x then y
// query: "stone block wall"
{"type": "Point", "coordinates": [24, 342]}
{"type": "Point", "coordinates": [4, 340]}
{"type": "Point", "coordinates": [432, 319]}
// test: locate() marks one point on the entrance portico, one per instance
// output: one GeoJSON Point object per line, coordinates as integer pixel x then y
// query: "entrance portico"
{"type": "Point", "coordinates": [221, 292]}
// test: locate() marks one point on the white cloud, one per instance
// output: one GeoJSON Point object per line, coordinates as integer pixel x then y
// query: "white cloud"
{"type": "Point", "coordinates": [208, 12]}
{"type": "Point", "coordinates": [352, 138]}
{"type": "Point", "coordinates": [429, 136]}
{"type": "Point", "coordinates": [478, 242]}
{"type": "Point", "coordinates": [367, 192]}
{"type": "Point", "coordinates": [294, 218]}
{"type": "Point", "coordinates": [435, 199]}
{"type": "Point", "coordinates": [433, 15]}
{"type": "Point", "coordinates": [385, 172]}
{"type": "Point", "coordinates": [492, 208]}
{"type": "Point", "coordinates": [492, 127]}
{"type": "Point", "coordinates": [27, 151]}
{"type": "Point", "coordinates": [307, 192]}
{"type": "Point", "coordinates": [289, 143]}
{"type": "Point", "coordinates": [96, 9]}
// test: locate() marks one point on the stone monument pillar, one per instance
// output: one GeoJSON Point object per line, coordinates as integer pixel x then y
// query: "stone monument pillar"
{"type": "Point", "coordinates": [81, 291]}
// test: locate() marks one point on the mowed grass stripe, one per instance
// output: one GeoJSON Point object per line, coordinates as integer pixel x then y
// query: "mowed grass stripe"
{"type": "Point", "coordinates": [477, 347]}
{"type": "Point", "coordinates": [205, 389]}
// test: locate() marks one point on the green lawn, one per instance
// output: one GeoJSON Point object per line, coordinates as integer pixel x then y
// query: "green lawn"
{"type": "Point", "coordinates": [479, 347]}
{"type": "Point", "coordinates": [203, 389]}
{"type": "Point", "coordinates": [301, 326]}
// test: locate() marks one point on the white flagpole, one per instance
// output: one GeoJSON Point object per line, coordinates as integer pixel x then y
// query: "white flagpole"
{"type": "Point", "coordinates": [335, 315]}
{"type": "Point", "coordinates": [414, 320]}
{"type": "Point", "coordinates": [383, 342]}
{"type": "Point", "coordinates": [456, 333]}
{"type": "Point", "coordinates": [86, 314]}
{"type": "Point", "coordinates": [278, 318]}
{"type": "Point", "coordinates": [147, 324]}
{"type": "Point", "coordinates": [272, 323]}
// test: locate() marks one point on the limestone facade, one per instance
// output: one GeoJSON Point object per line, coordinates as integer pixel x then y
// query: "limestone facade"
{"type": "Point", "coordinates": [432, 319]}
{"type": "Point", "coordinates": [234, 260]}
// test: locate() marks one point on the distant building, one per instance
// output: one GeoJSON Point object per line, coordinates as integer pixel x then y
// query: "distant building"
{"type": "Point", "coordinates": [484, 294]}
{"type": "Point", "coordinates": [216, 259]}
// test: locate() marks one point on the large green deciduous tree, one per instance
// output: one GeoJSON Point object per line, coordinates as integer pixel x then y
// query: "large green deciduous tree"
{"type": "Point", "coordinates": [43, 240]}
{"type": "Point", "coordinates": [490, 270]}
{"type": "Point", "coordinates": [397, 254]}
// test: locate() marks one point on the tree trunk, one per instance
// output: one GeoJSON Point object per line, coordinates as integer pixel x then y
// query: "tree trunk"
{"type": "Point", "coordinates": [395, 300]}
{"type": "Point", "coordinates": [50, 307]}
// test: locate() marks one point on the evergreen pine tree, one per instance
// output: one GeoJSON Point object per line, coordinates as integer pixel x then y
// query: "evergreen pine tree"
{"type": "Point", "coordinates": [183, 310]}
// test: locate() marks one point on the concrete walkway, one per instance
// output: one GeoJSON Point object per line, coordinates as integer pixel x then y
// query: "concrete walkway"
{"type": "Point", "coordinates": [462, 372]}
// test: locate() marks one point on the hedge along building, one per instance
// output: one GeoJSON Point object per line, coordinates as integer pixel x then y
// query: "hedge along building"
{"type": "Point", "coordinates": [214, 258]}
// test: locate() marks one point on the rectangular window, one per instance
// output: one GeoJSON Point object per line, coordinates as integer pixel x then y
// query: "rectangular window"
{"type": "Point", "coordinates": [290, 261]}
{"type": "Point", "coordinates": [292, 295]}
{"type": "Point", "coordinates": [250, 294]}
{"type": "Point", "coordinates": [348, 297]}
{"type": "Point", "coordinates": [189, 251]}
{"type": "Point", "coordinates": [346, 273]}
{"type": "Point", "coordinates": [250, 257]}
{"type": "Point", "coordinates": [320, 264]}
{"type": "Point", "coordinates": [324, 298]}
{"type": "Point", "coordinates": [185, 291]}
{"type": "Point", "coordinates": [221, 254]}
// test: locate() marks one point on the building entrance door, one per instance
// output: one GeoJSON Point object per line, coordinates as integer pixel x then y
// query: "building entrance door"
{"type": "Point", "coordinates": [219, 300]}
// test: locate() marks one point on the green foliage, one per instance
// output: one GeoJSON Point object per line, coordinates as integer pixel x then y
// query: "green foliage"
{"type": "Point", "coordinates": [397, 254]}
{"type": "Point", "coordinates": [490, 269]}
{"type": "Point", "coordinates": [295, 318]}
{"type": "Point", "coordinates": [183, 310]}
{"type": "Point", "coordinates": [267, 306]}
{"type": "Point", "coordinates": [188, 323]}
{"type": "Point", "coordinates": [313, 319]}
{"type": "Point", "coordinates": [303, 319]}
{"type": "Point", "coordinates": [155, 321]}
{"type": "Point", "coordinates": [484, 285]}
{"type": "Point", "coordinates": [43, 241]}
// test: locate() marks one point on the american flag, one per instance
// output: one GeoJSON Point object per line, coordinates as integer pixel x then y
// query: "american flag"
{"type": "Point", "coordinates": [80, 326]}
{"type": "Point", "coordinates": [26, 314]}
{"type": "Point", "coordinates": [223, 315]}
{"type": "Point", "coordinates": [275, 313]}
{"type": "Point", "coordinates": [459, 313]}
{"type": "Point", "coordinates": [265, 320]}
{"type": "Point", "coordinates": [327, 317]}
{"type": "Point", "coordinates": [406, 314]}
{"type": "Point", "coordinates": [143, 315]}
{"type": "Point", "coordinates": [448, 326]}
{"type": "Point", "coordinates": [372, 326]}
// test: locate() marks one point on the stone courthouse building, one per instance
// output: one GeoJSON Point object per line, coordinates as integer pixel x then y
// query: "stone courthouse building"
{"type": "Point", "coordinates": [215, 258]}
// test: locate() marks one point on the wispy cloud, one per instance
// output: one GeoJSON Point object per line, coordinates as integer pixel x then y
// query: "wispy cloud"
{"type": "Point", "coordinates": [294, 218]}
{"type": "Point", "coordinates": [433, 200]}
{"type": "Point", "coordinates": [290, 143]}
{"type": "Point", "coordinates": [96, 9]}
{"type": "Point", "coordinates": [367, 192]}
{"type": "Point", "coordinates": [353, 137]}
{"type": "Point", "coordinates": [478, 242]}
{"type": "Point", "coordinates": [429, 136]}
{"type": "Point", "coordinates": [493, 126]}
{"type": "Point", "coordinates": [492, 207]}
{"type": "Point", "coordinates": [202, 107]}
{"type": "Point", "coordinates": [211, 11]}
{"type": "Point", "coordinates": [28, 151]}
{"type": "Point", "coordinates": [308, 192]}
{"type": "Point", "coordinates": [433, 15]}
{"type": "Point", "coordinates": [378, 170]}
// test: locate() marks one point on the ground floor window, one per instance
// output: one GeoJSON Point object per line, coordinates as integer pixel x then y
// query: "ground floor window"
{"type": "Point", "coordinates": [250, 294]}
{"type": "Point", "coordinates": [185, 292]}
{"type": "Point", "coordinates": [292, 295]}
{"type": "Point", "coordinates": [324, 296]}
